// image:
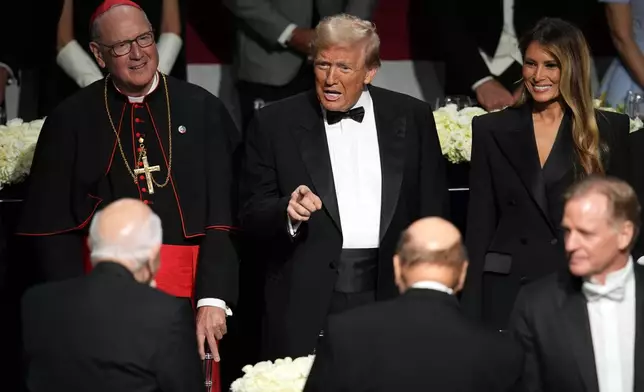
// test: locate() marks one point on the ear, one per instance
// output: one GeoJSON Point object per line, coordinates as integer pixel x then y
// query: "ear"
{"type": "Point", "coordinates": [462, 277]}
{"type": "Point", "coordinates": [625, 235]}
{"type": "Point", "coordinates": [96, 51]}
{"type": "Point", "coordinates": [398, 274]}
{"type": "Point", "coordinates": [155, 260]}
{"type": "Point", "coordinates": [371, 73]}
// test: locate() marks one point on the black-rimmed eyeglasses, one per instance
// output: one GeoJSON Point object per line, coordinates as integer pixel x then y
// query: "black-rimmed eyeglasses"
{"type": "Point", "coordinates": [125, 47]}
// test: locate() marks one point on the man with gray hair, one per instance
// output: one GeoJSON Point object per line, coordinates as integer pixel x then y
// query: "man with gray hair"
{"type": "Point", "coordinates": [420, 341]}
{"type": "Point", "coordinates": [331, 178]}
{"type": "Point", "coordinates": [111, 331]}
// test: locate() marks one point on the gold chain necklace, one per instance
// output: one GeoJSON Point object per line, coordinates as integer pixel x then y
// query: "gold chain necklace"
{"type": "Point", "coordinates": [142, 151]}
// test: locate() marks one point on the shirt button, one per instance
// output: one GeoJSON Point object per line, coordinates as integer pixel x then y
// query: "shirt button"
{"type": "Point", "coordinates": [553, 241]}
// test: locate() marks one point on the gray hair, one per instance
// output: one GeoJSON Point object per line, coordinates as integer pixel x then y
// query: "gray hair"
{"type": "Point", "coordinates": [348, 30]}
{"type": "Point", "coordinates": [411, 253]}
{"type": "Point", "coordinates": [134, 243]}
{"type": "Point", "coordinates": [95, 31]}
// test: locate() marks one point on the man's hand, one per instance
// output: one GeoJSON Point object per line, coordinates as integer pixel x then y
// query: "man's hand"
{"type": "Point", "coordinates": [4, 77]}
{"type": "Point", "coordinates": [211, 327]}
{"type": "Point", "coordinates": [301, 40]}
{"type": "Point", "coordinates": [302, 204]}
{"type": "Point", "coordinates": [492, 95]}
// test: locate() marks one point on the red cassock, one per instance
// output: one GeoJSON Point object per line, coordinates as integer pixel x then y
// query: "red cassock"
{"type": "Point", "coordinates": [79, 167]}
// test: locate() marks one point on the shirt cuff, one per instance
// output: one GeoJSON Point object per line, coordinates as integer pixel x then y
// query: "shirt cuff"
{"type": "Point", "coordinates": [286, 35]}
{"type": "Point", "coordinates": [480, 82]}
{"type": "Point", "coordinates": [292, 227]}
{"type": "Point", "coordinates": [215, 302]}
{"type": "Point", "coordinates": [11, 74]}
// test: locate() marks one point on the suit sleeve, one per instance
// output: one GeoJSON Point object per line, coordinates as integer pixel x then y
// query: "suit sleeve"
{"type": "Point", "coordinates": [263, 209]}
{"type": "Point", "coordinates": [57, 209]}
{"type": "Point", "coordinates": [261, 16]}
{"type": "Point", "coordinates": [361, 8]}
{"type": "Point", "coordinates": [218, 264]}
{"type": "Point", "coordinates": [620, 164]}
{"type": "Point", "coordinates": [522, 329]}
{"type": "Point", "coordinates": [462, 59]}
{"type": "Point", "coordinates": [636, 141]}
{"type": "Point", "coordinates": [434, 196]}
{"type": "Point", "coordinates": [481, 219]}
{"type": "Point", "coordinates": [328, 372]}
{"type": "Point", "coordinates": [176, 362]}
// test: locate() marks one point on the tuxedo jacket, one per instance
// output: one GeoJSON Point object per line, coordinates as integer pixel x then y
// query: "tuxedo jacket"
{"type": "Point", "coordinates": [515, 208]}
{"type": "Point", "coordinates": [419, 341]}
{"type": "Point", "coordinates": [108, 332]}
{"type": "Point", "coordinates": [551, 322]}
{"type": "Point", "coordinates": [287, 147]}
{"type": "Point", "coordinates": [259, 56]}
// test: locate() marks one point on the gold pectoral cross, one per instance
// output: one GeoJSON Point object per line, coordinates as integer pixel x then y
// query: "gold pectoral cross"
{"type": "Point", "coordinates": [147, 170]}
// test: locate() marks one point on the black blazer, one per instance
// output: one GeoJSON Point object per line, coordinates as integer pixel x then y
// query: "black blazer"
{"type": "Point", "coordinates": [418, 342]}
{"type": "Point", "coordinates": [107, 332]}
{"type": "Point", "coordinates": [286, 147]}
{"type": "Point", "coordinates": [551, 322]}
{"type": "Point", "coordinates": [515, 209]}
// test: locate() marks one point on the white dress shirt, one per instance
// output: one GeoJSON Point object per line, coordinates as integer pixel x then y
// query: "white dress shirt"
{"type": "Point", "coordinates": [432, 285]}
{"type": "Point", "coordinates": [204, 301]}
{"type": "Point", "coordinates": [507, 50]}
{"type": "Point", "coordinates": [611, 313]}
{"type": "Point", "coordinates": [355, 162]}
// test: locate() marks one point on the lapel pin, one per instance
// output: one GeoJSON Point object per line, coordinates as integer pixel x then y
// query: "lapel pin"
{"type": "Point", "coordinates": [182, 129]}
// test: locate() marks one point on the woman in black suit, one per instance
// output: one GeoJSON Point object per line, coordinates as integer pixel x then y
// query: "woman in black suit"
{"type": "Point", "coordinates": [523, 160]}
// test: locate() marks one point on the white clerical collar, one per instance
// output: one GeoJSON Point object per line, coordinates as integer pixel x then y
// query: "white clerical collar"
{"type": "Point", "coordinates": [432, 285]}
{"type": "Point", "coordinates": [155, 84]}
{"type": "Point", "coordinates": [616, 278]}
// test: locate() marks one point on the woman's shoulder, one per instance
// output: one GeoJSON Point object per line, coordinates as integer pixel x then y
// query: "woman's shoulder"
{"type": "Point", "coordinates": [498, 119]}
{"type": "Point", "coordinates": [611, 119]}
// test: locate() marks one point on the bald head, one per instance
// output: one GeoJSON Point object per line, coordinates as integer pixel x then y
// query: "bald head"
{"type": "Point", "coordinates": [113, 17]}
{"type": "Point", "coordinates": [431, 240]}
{"type": "Point", "coordinates": [126, 231]}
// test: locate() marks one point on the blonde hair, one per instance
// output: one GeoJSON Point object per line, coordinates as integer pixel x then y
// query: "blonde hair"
{"type": "Point", "coordinates": [348, 30]}
{"type": "Point", "coordinates": [569, 47]}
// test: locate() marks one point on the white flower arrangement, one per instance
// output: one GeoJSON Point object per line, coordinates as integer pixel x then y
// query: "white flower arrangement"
{"type": "Point", "coordinates": [636, 124]}
{"type": "Point", "coordinates": [17, 145]}
{"type": "Point", "coordinates": [455, 131]}
{"type": "Point", "coordinates": [285, 375]}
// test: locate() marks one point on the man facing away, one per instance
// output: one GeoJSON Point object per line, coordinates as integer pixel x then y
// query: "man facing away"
{"type": "Point", "coordinates": [420, 341]}
{"type": "Point", "coordinates": [111, 330]}
{"type": "Point", "coordinates": [331, 177]}
{"type": "Point", "coordinates": [582, 329]}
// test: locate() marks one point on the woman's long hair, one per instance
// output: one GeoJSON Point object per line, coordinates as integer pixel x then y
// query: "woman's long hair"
{"type": "Point", "coordinates": [568, 46]}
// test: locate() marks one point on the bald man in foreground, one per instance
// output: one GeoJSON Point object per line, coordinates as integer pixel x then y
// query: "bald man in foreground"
{"type": "Point", "coordinates": [112, 330]}
{"type": "Point", "coordinates": [419, 341]}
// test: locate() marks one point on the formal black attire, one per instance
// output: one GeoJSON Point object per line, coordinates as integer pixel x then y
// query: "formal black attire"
{"type": "Point", "coordinates": [551, 322]}
{"type": "Point", "coordinates": [108, 332]}
{"type": "Point", "coordinates": [287, 147]}
{"type": "Point", "coordinates": [78, 168]}
{"type": "Point", "coordinates": [419, 341]}
{"type": "Point", "coordinates": [514, 215]}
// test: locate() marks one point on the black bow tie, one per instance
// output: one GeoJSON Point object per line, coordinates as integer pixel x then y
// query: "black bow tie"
{"type": "Point", "coordinates": [356, 114]}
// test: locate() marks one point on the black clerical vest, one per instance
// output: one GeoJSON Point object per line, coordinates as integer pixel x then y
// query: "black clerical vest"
{"type": "Point", "coordinates": [144, 125]}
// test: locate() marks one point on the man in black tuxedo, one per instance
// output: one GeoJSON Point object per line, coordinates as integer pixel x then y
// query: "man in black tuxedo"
{"type": "Point", "coordinates": [110, 331]}
{"type": "Point", "coordinates": [420, 341]}
{"type": "Point", "coordinates": [330, 179]}
{"type": "Point", "coordinates": [582, 328]}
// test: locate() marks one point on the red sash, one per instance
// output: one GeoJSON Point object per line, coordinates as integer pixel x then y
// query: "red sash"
{"type": "Point", "coordinates": [176, 277]}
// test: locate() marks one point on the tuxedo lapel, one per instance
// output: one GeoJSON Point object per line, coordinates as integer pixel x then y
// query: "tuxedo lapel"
{"type": "Point", "coordinates": [577, 326]}
{"type": "Point", "coordinates": [639, 328]}
{"type": "Point", "coordinates": [516, 141]}
{"type": "Point", "coordinates": [391, 128]}
{"type": "Point", "coordinates": [314, 149]}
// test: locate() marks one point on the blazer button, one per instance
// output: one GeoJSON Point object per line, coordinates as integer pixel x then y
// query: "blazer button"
{"type": "Point", "coordinates": [332, 265]}
{"type": "Point", "coordinates": [553, 241]}
{"type": "Point", "coordinates": [523, 240]}
{"type": "Point", "coordinates": [524, 280]}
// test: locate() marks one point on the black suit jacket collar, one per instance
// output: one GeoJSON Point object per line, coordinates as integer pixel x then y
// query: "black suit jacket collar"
{"type": "Point", "coordinates": [108, 268]}
{"type": "Point", "coordinates": [574, 316]}
{"type": "Point", "coordinates": [515, 138]}
{"type": "Point", "coordinates": [391, 127]}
